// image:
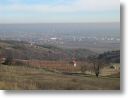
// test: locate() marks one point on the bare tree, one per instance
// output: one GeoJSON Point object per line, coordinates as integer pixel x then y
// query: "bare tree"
{"type": "Point", "coordinates": [98, 63]}
{"type": "Point", "coordinates": [9, 58]}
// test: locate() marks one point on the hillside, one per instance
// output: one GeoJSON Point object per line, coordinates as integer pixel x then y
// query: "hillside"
{"type": "Point", "coordinates": [24, 50]}
{"type": "Point", "coordinates": [48, 67]}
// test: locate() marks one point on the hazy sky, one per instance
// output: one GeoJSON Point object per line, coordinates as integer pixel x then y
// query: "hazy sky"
{"type": "Point", "coordinates": [43, 11]}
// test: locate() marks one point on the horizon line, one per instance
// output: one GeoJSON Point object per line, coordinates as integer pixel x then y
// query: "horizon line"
{"type": "Point", "coordinates": [59, 22]}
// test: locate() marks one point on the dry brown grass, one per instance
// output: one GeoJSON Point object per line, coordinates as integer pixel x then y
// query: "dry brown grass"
{"type": "Point", "coordinates": [33, 78]}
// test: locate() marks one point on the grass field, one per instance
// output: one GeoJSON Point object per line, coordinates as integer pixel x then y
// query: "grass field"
{"type": "Point", "coordinates": [39, 78]}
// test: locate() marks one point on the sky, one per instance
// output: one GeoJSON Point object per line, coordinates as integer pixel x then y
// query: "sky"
{"type": "Point", "coordinates": [59, 11]}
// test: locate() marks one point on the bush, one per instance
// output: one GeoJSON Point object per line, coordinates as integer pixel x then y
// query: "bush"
{"type": "Point", "coordinates": [8, 61]}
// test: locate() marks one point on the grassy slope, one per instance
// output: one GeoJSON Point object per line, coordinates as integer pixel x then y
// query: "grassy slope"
{"type": "Point", "coordinates": [21, 77]}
